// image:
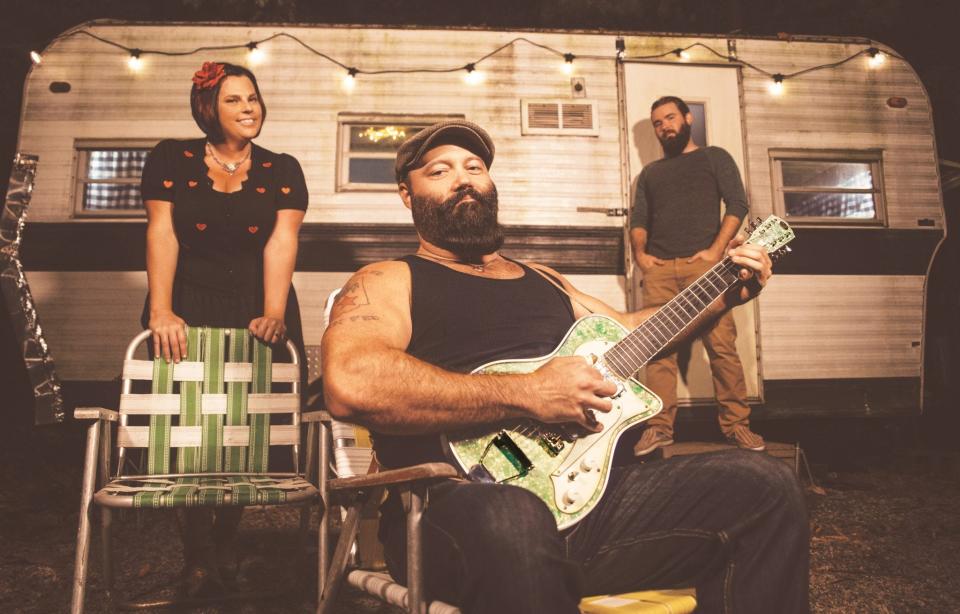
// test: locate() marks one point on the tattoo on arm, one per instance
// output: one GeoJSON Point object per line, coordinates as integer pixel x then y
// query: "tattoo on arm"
{"type": "Point", "coordinates": [354, 295]}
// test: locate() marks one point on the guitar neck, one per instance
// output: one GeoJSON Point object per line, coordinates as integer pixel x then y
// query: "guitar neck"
{"type": "Point", "coordinates": [657, 331]}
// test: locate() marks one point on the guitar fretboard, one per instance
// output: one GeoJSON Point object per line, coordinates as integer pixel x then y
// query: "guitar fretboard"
{"type": "Point", "coordinates": [648, 339]}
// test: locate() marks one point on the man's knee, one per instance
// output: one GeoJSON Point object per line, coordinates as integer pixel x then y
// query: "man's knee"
{"type": "Point", "coordinates": [509, 514]}
{"type": "Point", "coordinates": [769, 478]}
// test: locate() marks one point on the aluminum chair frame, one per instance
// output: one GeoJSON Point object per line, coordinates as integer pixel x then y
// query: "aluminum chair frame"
{"type": "Point", "coordinates": [97, 474]}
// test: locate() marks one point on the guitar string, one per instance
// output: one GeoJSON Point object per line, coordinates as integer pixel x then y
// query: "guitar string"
{"type": "Point", "coordinates": [633, 344]}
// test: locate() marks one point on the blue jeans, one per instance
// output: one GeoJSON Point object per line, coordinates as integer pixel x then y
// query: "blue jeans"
{"type": "Point", "coordinates": [733, 524]}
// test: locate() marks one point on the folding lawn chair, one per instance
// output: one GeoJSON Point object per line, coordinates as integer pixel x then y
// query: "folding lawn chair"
{"type": "Point", "coordinates": [206, 426]}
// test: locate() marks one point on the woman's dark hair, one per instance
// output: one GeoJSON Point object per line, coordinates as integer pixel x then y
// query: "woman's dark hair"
{"type": "Point", "coordinates": [659, 102]}
{"type": "Point", "coordinates": [203, 102]}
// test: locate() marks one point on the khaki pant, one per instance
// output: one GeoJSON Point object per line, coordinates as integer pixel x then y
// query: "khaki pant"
{"type": "Point", "coordinates": [662, 283]}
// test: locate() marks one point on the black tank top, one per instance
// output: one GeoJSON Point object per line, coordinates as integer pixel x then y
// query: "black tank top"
{"type": "Point", "coordinates": [463, 321]}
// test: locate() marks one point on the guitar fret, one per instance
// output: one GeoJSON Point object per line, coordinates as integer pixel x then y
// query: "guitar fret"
{"type": "Point", "coordinates": [655, 333]}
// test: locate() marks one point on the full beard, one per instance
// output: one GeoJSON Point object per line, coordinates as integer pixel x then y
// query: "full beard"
{"type": "Point", "coordinates": [674, 145]}
{"type": "Point", "coordinates": [469, 229]}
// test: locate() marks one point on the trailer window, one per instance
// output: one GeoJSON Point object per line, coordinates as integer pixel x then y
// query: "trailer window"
{"type": "Point", "coordinates": [829, 187]}
{"type": "Point", "coordinates": [368, 147]}
{"type": "Point", "coordinates": [108, 179]}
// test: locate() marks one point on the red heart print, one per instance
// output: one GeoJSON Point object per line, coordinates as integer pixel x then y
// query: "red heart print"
{"type": "Point", "coordinates": [285, 189]}
{"type": "Point", "coordinates": [167, 183]}
{"type": "Point", "coordinates": [261, 190]}
{"type": "Point", "coordinates": [192, 183]}
{"type": "Point", "coordinates": [253, 229]}
{"type": "Point", "coordinates": [187, 153]}
{"type": "Point", "coordinates": [201, 227]}
{"type": "Point", "coordinates": [267, 164]}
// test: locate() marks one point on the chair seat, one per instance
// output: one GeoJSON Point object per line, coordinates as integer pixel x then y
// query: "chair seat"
{"type": "Point", "coordinates": [205, 491]}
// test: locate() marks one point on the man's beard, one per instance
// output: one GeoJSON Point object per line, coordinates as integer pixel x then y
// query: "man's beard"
{"type": "Point", "coordinates": [470, 229]}
{"type": "Point", "coordinates": [674, 145]}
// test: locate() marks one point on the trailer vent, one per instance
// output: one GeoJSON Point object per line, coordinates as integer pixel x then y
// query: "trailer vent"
{"type": "Point", "coordinates": [559, 117]}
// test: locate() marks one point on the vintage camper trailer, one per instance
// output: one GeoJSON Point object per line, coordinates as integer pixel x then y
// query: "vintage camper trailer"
{"type": "Point", "coordinates": [845, 153]}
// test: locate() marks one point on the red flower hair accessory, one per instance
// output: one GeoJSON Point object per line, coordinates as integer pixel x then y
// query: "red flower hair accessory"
{"type": "Point", "coordinates": [209, 75]}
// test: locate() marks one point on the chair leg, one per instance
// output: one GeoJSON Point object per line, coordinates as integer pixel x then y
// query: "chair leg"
{"type": "Point", "coordinates": [338, 564]}
{"type": "Point", "coordinates": [83, 531]}
{"type": "Point", "coordinates": [323, 535]}
{"type": "Point", "coordinates": [106, 542]}
{"type": "Point", "coordinates": [413, 506]}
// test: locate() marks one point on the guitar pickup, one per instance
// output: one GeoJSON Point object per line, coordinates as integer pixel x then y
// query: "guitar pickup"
{"type": "Point", "coordinates": [512, 452]}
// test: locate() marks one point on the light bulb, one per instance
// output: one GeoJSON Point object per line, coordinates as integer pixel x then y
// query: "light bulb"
{"type": "Point", "coordinates": [567, 66]}
{"type": "Point", "coordinates": [255, 55]}
{"type": "Point", "coordinates": [776, 85]}
{"type": "Point", "coordinates": [877, 57]}
{"type": "Point", "coordinates": [473, 76]}
{"type": "Point", "coordinates": [134, 61]}
{"type": "Point", "coordinates": [349, 80]}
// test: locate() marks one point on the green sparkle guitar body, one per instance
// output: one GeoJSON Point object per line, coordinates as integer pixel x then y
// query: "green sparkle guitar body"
{"type": "Point", "coordinates": [569, 475]}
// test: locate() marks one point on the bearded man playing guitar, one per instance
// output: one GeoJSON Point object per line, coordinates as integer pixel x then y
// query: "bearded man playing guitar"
{"type": "Point", "coordinates": [434, 350]}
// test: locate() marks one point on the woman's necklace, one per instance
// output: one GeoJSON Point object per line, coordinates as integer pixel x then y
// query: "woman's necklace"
{"type": "Point", "coordinates": [229, 167]}
{"type": "Point", "coordinates": [478, 267]}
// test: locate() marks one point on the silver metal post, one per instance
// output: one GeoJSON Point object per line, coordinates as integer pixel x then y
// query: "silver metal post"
{"type": "Point", "coordinates": [415, 598]}
{"type": "Point", "coordinates": [83, 532]}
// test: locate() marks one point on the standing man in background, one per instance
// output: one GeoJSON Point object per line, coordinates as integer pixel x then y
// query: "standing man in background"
{"type": "Point", "coordinates": [677, 235]}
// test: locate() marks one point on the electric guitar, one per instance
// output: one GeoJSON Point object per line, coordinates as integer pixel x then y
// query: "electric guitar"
{"type": "Point", "coordinates": [568, 470]}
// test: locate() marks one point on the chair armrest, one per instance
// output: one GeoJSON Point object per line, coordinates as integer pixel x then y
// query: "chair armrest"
{"type": "Point", "coordinates": [315, 416]}
{"type": "Point", "coordinates": [414, 473]}
{"type": "Point", "coordinates": [95, 413]}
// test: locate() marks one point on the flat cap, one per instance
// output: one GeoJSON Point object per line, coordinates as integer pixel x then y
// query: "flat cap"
{"type": "Point", "coordinates": [459, 132]}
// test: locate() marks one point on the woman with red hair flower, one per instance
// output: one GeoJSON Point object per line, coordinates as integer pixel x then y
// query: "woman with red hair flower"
{"type": "Point", "coordinates": [223, 221]}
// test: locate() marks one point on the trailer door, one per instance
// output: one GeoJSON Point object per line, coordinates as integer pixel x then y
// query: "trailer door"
{"type": "Point", "coordinates": [713, 94]}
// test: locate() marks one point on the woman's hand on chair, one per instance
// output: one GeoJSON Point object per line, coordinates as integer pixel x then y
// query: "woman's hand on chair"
{"type": "Point", "coordinates": [169, 335]}
{"type": "Point", "coordinates": [268, 330]}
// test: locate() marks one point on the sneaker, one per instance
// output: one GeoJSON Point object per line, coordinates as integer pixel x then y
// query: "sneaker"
{"type": "Point", "coordinates": [652, 439]}
{"type": "Point", "coordinates": [743, 437]}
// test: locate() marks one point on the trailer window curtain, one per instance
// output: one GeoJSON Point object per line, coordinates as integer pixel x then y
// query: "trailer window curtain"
{"type": "Point", "coordinates": [829, 187]}
{"type": "Point", "coordinates": [108, 179]}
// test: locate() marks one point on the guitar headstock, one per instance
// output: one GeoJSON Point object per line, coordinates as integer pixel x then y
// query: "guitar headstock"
{"type": "Point", "coordinates": [772, 233]}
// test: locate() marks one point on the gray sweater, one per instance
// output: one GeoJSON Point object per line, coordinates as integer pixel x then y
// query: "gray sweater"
{"type": "Point", "coordinates": [678, 201]}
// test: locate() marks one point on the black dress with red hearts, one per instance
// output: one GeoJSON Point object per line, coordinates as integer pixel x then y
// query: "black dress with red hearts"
{"type": "Point", "coordinates": [219, 278]}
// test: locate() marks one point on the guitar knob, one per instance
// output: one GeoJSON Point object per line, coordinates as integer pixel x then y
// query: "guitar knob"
{"type": "Point", "coordinates": [571, 496]}
{"type": "Point", "coordinates": [588, 463]}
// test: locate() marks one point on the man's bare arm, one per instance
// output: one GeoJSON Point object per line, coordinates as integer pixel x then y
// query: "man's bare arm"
{"type": "Point", "coordinates": [371, 380]}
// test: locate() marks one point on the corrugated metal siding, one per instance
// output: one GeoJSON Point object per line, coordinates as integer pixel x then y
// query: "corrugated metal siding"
{"type": "Point", "coordinates": [842, 108]}
{"type": "Point", "coordinates": [839, 326]}
{"type": "Point", "coordinates": [542, 180]}
{"type": "Point", "coordinates": [89, 318]}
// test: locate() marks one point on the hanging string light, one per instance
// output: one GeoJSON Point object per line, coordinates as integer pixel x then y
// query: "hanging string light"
{"type": "Point", "coordinates": [349, 80]}
{"type": "Point", "coordinates": [776, 84]}
{"type": "Point", "coordinates": [134, 61]}
{"type": "Point", "coordinates": [473, 76]}
{"type": "Point", "coordinates": [255, 54]}
{"type": "Point", "coordinates": [877, 57]}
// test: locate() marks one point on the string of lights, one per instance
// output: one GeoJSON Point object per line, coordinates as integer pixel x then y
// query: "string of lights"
{"type": "Point", "coordinates": [472, 74]}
